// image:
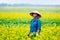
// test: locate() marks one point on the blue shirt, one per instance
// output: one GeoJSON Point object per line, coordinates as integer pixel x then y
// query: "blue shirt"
{"type": "Point", "coordinates": [35, 25]}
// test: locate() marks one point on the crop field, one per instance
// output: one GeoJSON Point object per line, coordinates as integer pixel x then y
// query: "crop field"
{"type": "Point", "coordinates": [15, 24]}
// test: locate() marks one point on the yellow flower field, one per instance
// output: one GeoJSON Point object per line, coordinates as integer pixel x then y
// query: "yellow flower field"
{"type": "Point", "coordinates": [26, 15]}
{"type": "Point", "coordinates": [20, 33]}
{"type": "Point", "coordinates": [9, 31]}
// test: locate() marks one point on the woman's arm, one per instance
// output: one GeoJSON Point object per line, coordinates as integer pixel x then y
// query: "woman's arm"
{"type": "Point", "coordinates": [39, 25]}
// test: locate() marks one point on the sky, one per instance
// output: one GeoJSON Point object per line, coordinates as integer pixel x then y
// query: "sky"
{"type": "Point", "coordinates": [35, 2]}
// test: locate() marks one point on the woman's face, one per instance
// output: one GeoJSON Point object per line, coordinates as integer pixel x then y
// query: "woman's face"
{"type": "Point", "coordinates": [34, 15]}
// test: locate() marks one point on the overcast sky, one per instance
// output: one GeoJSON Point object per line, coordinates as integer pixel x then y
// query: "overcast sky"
{"type": "Point", "coordinates": [41, 2]}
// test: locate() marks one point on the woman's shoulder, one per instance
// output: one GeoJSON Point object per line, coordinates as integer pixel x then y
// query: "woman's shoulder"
{"type": "Point", "coordinates": [38, 19]}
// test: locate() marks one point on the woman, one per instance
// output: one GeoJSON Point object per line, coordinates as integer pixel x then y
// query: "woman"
{"type": "Point", "coordinates": [35, 25]}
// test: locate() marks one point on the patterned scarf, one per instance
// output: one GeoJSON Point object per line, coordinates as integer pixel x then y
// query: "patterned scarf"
{"type": "Point", "coordinates": [35, 18]}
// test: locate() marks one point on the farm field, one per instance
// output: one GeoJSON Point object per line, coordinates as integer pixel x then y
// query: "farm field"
{"type": "Point", "coordinates": [15, 23]}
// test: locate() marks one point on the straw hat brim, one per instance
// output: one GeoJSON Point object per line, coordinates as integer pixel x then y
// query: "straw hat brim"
{"type": "Point", "coordinates": [39, 15]}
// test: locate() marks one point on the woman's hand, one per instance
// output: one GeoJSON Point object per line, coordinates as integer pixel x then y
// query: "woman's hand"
{"type": "Point", "coordinates": [38, 30]}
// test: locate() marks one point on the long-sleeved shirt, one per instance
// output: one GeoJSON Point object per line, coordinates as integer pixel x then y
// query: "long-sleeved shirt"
{"type": "Point", "coordinates": [35, 25]}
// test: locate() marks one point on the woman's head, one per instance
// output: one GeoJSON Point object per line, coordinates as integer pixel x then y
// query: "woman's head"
{"type": "Point", "coordinates": [35, 14]}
